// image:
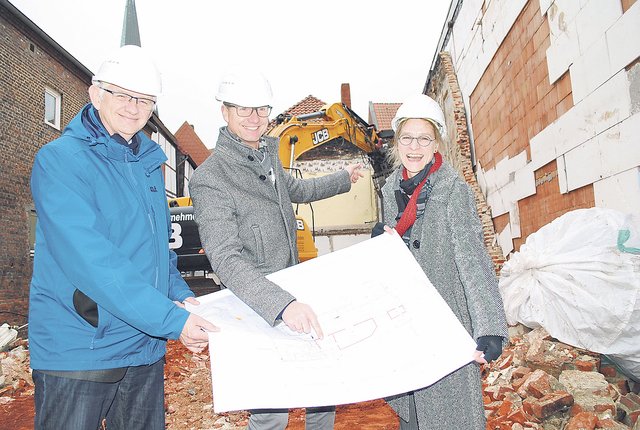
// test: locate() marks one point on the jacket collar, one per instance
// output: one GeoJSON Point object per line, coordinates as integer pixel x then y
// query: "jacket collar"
{"type": "Point", "coordinates": [233, 147]}
{"type": "Point", "coordinates": [86, 125]}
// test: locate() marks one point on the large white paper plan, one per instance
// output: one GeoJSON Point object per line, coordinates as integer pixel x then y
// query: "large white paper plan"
{"type": "Point", "coordinates": [386, 331]}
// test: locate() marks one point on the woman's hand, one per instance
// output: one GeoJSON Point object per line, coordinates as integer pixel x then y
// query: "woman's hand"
{"type": "Point", "coordinates": [489, 348]}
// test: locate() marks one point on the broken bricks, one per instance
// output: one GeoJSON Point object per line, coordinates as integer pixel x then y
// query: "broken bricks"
{"type": "Point", "coordinates": [541, 383]}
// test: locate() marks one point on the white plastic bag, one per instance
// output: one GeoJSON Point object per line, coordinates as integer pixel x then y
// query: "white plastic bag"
{"type": "Point", "coordinates": [571, 278]}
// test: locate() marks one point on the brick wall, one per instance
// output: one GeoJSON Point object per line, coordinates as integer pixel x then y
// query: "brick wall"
{"type": "Point", "coordinates": [29, 64]}
{"type": "Point", "coordinates": [457, 147]}
{"type": "Point", "coordinates": [512, 103]}
{"type": "Point", "coordinates": [547, 203]}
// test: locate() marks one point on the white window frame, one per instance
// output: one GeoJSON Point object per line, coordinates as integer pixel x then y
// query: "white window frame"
{"type": "Point", "coordinates": [57, 106]}
{"type": "Point", "coordinates": [188, 171]}
{"type": "Point", "coordinates": [170, 182]}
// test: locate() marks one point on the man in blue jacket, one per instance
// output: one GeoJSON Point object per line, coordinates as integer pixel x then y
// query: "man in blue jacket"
{"type": "Point", "coordinates": [105, 293]}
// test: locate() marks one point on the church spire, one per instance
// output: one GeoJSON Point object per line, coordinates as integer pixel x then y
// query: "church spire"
{"type": "Point", "coordinates": [130, 31]}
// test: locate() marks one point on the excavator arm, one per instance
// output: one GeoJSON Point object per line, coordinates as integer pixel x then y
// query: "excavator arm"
{"type": "Point", "coordinates": [302, 133]}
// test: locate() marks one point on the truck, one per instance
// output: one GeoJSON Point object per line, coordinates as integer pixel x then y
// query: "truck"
{"type": "Point", "coordinates": [298, 135]}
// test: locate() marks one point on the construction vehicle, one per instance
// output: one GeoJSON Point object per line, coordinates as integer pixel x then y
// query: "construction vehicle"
{"type": "Point", "coordinates": [185, 239]}
{"type": "Point", "coordinates": [298, 135]}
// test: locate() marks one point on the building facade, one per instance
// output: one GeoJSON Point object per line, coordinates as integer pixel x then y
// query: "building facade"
{"type": "Point", "coordinates": [551, 92]}
{"type": "Point", "coordinates": [42, 87]}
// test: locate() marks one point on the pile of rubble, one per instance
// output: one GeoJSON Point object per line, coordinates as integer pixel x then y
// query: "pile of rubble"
{"type": "Point", "coordinates": [188, 397]}
{"type": "Point", "coordinates": [539, 383]}
{"type": "Point", "coordinates": [15, 376]}
{"type": "Point", "coordinates": [16, 386]}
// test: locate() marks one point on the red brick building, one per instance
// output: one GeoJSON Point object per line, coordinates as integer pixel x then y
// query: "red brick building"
{"type": "Point", "coordinates": [547, 94]}
{"type": "Point", "coordinates": [42, 87]}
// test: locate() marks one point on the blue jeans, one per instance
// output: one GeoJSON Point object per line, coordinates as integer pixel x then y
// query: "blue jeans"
{"type": "Point", "coordinates": [134, 402]}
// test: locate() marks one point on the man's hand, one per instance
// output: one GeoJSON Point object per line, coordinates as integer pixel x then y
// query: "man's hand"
{"type": "Point", "coordinates": [195, 333]}
{"type": "Point", "coordinates": [190, 300]}
{"type": "Point", "coordinates": [355, 172]}
{"type": "Point", "coordinates": [301, 318]}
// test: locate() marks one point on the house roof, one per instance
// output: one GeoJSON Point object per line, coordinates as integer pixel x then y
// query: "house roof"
{"type": "Point", "coordinates": [190, 144]}
{"type": "Point", "coordinates": [381, 114]}
{"type": "Point", "coordinates": [308, 104]}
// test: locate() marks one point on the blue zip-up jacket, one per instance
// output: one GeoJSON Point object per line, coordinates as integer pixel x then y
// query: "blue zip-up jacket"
{"type": "Point", "coordinates": [104, 279]}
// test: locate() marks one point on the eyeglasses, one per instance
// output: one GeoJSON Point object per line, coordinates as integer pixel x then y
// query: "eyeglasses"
{"type": "Point", "coordinates": [243, 111]}
{"type": "Point", "coordinates": [423, 141]}
{"type": "Point", "coordinates": [143, 103]}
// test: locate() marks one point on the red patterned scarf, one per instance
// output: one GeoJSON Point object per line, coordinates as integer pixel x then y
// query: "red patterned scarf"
{"type": "Point", "coordinates": [409, 214]}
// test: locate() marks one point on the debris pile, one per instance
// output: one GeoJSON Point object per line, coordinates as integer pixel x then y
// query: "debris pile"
{"type": "Point", "coordinates": [540, 383]}
{"type": "Point", "coordinates": [188, 399]}
{"type": "Point", "coordinates": [15, 376]}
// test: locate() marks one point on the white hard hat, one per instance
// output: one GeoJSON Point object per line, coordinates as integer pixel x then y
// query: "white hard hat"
{"type": "Point", "coordinates": [244, 88]}
{"type": "Point", "coordinates": [421, 106]}
{"type": "Point", "coordinates": [131, 68]}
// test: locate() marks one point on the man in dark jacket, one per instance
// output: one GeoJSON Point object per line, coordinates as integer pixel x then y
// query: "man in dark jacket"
{"type": "Point", "coordinates": [105, 293]}
{"type": "Point", "coordinates": [242, 200]}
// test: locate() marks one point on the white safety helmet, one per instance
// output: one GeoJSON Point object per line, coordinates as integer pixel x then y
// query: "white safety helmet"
{"type": "Point", "coordinates": [421, 106]}
{"type": "Point", "coordinates": [245, 88]}
{"type": "Point", "coordinates": [131, 68]}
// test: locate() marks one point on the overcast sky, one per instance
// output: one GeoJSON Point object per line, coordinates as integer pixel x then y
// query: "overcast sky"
{"type": "Point", "coordinates": [382, 48]}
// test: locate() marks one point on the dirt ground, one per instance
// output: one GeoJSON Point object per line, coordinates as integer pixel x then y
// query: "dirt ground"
{"type": "Point", "coordinates": [188, 402]}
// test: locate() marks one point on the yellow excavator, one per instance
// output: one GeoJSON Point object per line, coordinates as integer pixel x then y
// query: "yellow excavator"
{"type": "Point", "coordinates": [298, 135]}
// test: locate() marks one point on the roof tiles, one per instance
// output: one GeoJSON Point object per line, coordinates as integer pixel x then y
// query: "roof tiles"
{"type": "Point", "coordinates": [383, 113]}
{"type": "Point", "coordinates": [189, 143]}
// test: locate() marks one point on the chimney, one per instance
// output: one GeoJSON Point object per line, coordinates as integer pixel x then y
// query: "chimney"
{"type": "Point", "coordinates": [345, 95]}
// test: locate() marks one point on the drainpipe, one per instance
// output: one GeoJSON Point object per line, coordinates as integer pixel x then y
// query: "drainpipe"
{"type": "Point", "coordinates": [445, 35]}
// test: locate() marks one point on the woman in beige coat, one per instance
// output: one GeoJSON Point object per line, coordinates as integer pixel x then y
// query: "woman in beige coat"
{"type": "Point", "coordinates": [434, 211]}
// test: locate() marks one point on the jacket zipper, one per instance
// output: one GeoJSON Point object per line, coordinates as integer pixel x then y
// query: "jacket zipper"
{"type": "Point", "coordinates": [149, 210]}
{"type": "Point", "coordinates": [133, 184]}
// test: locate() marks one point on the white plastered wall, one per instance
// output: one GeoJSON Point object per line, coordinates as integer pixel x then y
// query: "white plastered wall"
{"type": "Point", "coordinates": [359, 206]}
{"type": "Point", "coordinates": [596, 141]}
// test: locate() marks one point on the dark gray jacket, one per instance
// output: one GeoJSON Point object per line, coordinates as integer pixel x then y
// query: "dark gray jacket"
{"type": "Point", "coordinates": [448, 244]}
{"type": "Point", "coordinates": [247, 225]}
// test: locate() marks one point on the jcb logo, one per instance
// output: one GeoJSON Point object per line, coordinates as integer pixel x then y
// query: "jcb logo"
{"type": "Point", "coordinates": [320, 136]}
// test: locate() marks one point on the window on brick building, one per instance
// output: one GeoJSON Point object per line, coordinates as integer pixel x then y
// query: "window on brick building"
{"type": "Point", "coordinates": [169, 170]}
{"type": "Point", "coordinates": [52, 105]}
